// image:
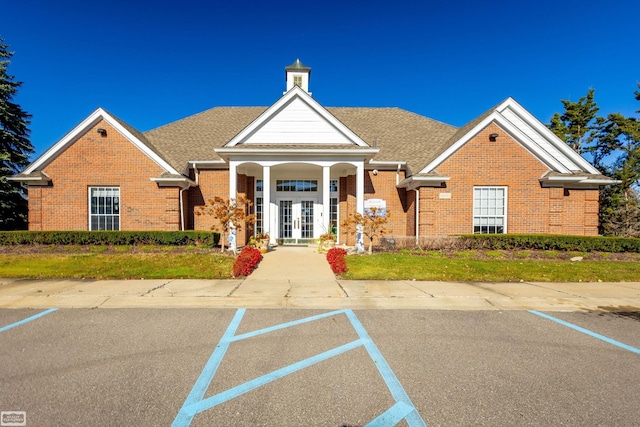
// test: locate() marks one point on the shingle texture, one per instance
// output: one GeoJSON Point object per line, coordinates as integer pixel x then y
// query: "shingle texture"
{"type": "Point", "coordinates": [400, 135]}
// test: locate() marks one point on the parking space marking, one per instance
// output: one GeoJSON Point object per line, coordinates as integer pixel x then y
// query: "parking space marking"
{"type": "Point", "coordinates": [588, 332]}
{"type": "Point", "coordinates": [195, 404]}
{"type": "Point", "coordinates": [398, 393]}
{"type": "Point", "coordinates": [185, 416]}
{"type": "Point", "coordinates": [28, 319]}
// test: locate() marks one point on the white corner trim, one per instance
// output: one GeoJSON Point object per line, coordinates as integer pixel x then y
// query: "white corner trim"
{"type": "Point", "coordinates": [81, 129]}
{"type": "Point", "coordinates": [295, 93]}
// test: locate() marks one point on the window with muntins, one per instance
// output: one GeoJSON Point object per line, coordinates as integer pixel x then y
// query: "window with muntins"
{"type": "Point", "coordinates": [333, 206]}
{"type": "Point", "coordinates": [489, 210]}
{"type": "Point", "coordinates": [104, 208]}
{"type": "Point", "coordinates": [297, 185]}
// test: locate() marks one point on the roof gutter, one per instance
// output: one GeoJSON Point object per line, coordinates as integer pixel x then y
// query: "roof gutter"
{"type": "Point", "coordinates": [399, 164]}
{"type": "Point", "coordinates": [416, 181]}
{"type": "Point", "coordinates": [173, 182]}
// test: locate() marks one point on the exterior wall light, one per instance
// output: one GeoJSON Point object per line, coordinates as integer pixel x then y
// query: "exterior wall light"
{"type": "Point", "coordinates": [493, 137]}
{"type": "Point", "coordinates": [102, 131]}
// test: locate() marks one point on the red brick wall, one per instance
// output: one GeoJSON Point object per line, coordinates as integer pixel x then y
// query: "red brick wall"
{"type": "Point", "coordinates": [94, 160]}
{"type": "Point", "coordinates": [214, 183]}
{"type": "Point", "coordinates": [530, 208]}
{"type": "Point", "coordinates": [400, 202]}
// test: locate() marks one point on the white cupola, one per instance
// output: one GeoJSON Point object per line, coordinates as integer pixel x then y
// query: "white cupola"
{"type": "Point", "coordinates": [298, 74]}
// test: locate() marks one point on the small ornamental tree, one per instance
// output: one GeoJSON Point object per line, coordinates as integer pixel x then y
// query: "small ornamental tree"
{"type": "Point", "coordinates": [228, 213]}
{"type": "Point", "coordinates": [373, 223]}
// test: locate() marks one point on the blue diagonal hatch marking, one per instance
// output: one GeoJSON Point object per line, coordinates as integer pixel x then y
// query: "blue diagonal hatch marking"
{"type": "Point", "coordinates": [413, 419]}
{"type": "Point", "coordinates": [185, 417]}
{"type": "Point", "coordinates": [392, 416]}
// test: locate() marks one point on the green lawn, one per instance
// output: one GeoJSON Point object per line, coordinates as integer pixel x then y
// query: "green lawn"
{"type": "Point", "coordinates": [97, 265]}
{"type": "Point", "coordinates": [153, 262]}
{"type": "Point", "coordinates": [463, 267]}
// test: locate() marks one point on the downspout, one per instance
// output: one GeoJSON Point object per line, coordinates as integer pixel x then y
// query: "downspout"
{"type": "Point", "coordinates": [417, 190]}
{"type": "Point", "coordinates": [398, 174]}
{"type": "Point", "coordinates": [182, 206]}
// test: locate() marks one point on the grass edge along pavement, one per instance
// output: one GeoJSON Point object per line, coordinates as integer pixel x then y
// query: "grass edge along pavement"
{"type": "Point", "coordinates": [461, 266]}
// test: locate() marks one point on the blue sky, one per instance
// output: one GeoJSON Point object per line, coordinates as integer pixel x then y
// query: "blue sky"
{"type": "Point", "coordinates": [150, 63]}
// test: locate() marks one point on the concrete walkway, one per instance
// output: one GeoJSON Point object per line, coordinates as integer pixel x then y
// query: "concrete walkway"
{"type": "Point", "coordinates": [299, 277]}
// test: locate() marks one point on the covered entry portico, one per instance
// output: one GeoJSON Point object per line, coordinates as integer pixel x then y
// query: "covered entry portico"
{"type": "Point", "coordinates": [297, 199]}
{"type": "Point", "coordinates": [295, 149]}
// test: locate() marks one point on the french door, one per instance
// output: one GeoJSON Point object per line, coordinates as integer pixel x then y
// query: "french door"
{"type": "Point", "coordinates": [295, 218]}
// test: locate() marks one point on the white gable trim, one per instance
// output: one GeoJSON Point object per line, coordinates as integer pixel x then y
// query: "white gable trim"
{"type": "Point", "coordinates": [295, 93]}
{"type": "Point", "coordinates": [556, 155]}
{"type": "Point", "coordinates": [547, 134]}
{"type": "Point", "coordinates": [81, 129]}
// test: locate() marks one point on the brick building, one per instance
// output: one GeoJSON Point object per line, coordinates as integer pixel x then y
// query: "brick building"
{"type": "Point", "coordinates": [306, 167]}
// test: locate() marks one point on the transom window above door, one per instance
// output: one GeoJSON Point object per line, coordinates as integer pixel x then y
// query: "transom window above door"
{"type": "Point", "coordinates": [297, 185]}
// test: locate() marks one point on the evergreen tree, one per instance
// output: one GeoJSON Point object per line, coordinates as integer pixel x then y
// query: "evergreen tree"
{"type": "Point", "coordinates": [15, 148]}
{"type": "Point", "coordinates": [574, 126]}
{"type": "Point", "coordinates": [614, 144]}
{"type": "Point", "coordinates": [618, 142]}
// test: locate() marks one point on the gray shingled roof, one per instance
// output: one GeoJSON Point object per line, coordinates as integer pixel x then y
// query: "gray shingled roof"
{"type": "Point", "coordinates": [400, 135]}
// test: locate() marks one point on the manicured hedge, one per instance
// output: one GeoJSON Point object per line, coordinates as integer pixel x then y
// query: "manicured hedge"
{"type": "Point", "coordinates": [173, 238]}
{"type": "Point", "coordinates": [552, 242]}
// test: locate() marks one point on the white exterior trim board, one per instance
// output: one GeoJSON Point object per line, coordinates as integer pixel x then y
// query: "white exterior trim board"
{"type": "Point", "coordinates": [81, 129]}
{"type": "Point", "coordinates": [295, 93]}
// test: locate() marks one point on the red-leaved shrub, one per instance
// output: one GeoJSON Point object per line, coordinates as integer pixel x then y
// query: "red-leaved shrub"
{"type": "Point", "coordinates": [246, 261]}
{"type": "Point", "coordinates": [335, 256]}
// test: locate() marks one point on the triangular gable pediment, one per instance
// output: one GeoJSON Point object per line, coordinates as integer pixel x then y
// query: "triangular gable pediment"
{"type": "Point", "coordinates": [86, 125]}
{"type": "Point", "coordinates": [529, 132]}
{"type": "Point", "coordinates": [296, 119]}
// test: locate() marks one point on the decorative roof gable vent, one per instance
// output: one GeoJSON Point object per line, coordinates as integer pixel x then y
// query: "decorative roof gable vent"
{"type": "Point", "coordinates": [298, 74]}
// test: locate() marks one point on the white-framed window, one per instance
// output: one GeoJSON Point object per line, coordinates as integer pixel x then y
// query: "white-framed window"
{"type": "Point", "coordinates": [259, 207]}
{"type": "Point", "coordinates": [297, 81]}
{"type": "Point", "coordinates": [104, 208]}
{"type": "Point", "coordinates": [489, 210]}
{"type": "Point", "coordinates": [297, 185]}
{"type": "Point", "coordinates": [333, 205]}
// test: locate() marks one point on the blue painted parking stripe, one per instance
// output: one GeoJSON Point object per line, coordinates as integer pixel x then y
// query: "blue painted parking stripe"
{"type": "Point", "coordinates": [398, 393]}
{"type": "Point", "coordinates": [588, 332]}
{"type": "Point", "coordinates": [195, 404]}
{"type": "Point", "coordinates": [185, 416]}
{"type": "Point", "coordinates": [392, 416]}
{"type": "Point", "coordinates": [28, 319]}
{"type": "Point", "coordinates": [241, 389]}
{"type": "Point", "coordinates": [286, 325]}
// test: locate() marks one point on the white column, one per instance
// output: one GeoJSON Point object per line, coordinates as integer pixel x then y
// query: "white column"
{"type": "Point", "coordinates": [266, 203]}
{"type": "Point", "coordinates": [233, 179]}
{"type": "Point", "coordinates": [360, 203]}
{"type": "Point", "coordinates": [326, 194]}
{"type": "Point", "coordinates": [360, 187]}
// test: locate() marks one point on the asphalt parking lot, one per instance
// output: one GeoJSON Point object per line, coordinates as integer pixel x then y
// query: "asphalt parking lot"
{"type": "Point", "coordinates": [203, 367]}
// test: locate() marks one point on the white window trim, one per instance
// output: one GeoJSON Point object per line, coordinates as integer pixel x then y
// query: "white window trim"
{"type": "Point", "coordinates": [506, 206]}
{"type": "Point", "coordinates": [90, 215]}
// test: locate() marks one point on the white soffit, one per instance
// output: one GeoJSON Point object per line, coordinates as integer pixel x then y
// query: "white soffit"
{"type": "Point", "coordinates": [81, 129]}
{"type": "Point", "coordinates": [296, 118]}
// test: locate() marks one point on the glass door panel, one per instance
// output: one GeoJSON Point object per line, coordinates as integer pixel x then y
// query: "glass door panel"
{"type": "Point", "coordinates": [296, 218]}
{"type": "Point", "coordinates": [306, 219]}
{"type": "Point", "coordinates": [286, 219]}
